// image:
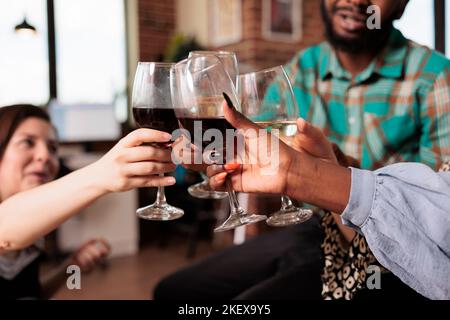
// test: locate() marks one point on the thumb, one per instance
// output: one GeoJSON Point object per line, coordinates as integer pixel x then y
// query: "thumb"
{"type": "Point", "coordinates": [312, 140]}
{"type": "Point", "coordinates": [235, 118]}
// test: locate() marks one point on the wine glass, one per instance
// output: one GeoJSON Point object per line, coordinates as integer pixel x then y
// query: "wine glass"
{"type": "Point", "coordinates": [153, 109]}
{"type": "Point", "coordinates": [228, 59]}
{"type": "Point", "coordinates": [268, 100]}
{"type": "Point", "coordinates": [203, 190]}
{"type": "Point", "coordinates": [198, 86]}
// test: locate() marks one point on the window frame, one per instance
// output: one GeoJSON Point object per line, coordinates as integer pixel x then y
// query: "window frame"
{"type": "Point", "coordinates": [439, 26]}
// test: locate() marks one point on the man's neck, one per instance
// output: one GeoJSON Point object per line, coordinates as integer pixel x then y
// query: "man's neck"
{"type": "Point", "coordinates": [355, 63]}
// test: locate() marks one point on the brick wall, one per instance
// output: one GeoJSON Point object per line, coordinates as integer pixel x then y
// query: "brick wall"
{"type": "Point", "coordinates": [261, 53]}
{"type": "Point", "coordinates": [157, 24]}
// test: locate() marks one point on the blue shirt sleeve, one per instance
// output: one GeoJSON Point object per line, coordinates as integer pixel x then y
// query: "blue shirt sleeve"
{"type": "Point", "coordinates": [403, 211]}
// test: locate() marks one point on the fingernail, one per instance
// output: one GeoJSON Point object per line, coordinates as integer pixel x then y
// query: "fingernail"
{"type": "Point", "coordinates": [171, 180]}
{"type": "Point", "coordinates": [221, 176]}
{"type": "Point", "coordinates": [228, 100]}
{"type": "Point", "coordinates": [232, 166]}
{"type": "Point", "coordinates": [302, 125]}
{"type": "Point", "coordinates": [167, 136]}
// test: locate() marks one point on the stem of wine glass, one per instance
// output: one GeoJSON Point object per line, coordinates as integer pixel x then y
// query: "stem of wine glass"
{"type": "Point", "coordinates": [161, 196]}
{"type": "Point", "coordinates": [286, 202]}
{"type": "Point", "coordinates": [204, 176]}
{"type": "Point", "coordinates": [234, 203]}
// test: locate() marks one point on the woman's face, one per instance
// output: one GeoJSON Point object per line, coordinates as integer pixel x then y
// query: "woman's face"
{"type": "Point", "coordinates": [30, 158]}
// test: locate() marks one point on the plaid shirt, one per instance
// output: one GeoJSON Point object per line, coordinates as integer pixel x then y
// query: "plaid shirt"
{"type": "Point", "coordinates": [396, 110]}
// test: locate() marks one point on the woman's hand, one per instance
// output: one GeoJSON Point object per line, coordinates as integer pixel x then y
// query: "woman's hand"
{"type": "Point", "coordinates": [248, 178]}
{"type": "Point", "coordinates": [134, 163]}
{"type": "Point", "coordinates": [186, 154]}
{"type": "Point", "coordinates": [266, 172]}
{"type": "Point", "coordinates": [91, 254]}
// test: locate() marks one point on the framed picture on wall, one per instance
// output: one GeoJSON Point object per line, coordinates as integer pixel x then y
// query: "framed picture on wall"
{"type": "Point", "coordinates": [225, 22]}
{"type": "Point", "coordinates": [282, 20]}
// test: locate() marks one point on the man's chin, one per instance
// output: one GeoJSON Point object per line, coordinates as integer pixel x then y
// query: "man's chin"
{"type": "Point", "coordinates": [349, 37]}
{"type": "Point", "coordinates": [348, 44]}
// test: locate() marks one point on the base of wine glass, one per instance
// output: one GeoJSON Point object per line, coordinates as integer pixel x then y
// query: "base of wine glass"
{"type": "Point", "coordinates": [239, 218]}
{"type": "Point", "coordinates": [202, 190]}
{"type": "Point", "coordinates": [289, 216]}
{"type": "Point", "coordinates": [159, 212]}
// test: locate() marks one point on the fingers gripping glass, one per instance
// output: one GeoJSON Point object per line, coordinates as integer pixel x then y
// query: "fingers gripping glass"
{"type": "Point", "coordinates": [267, 99]}
{"type": "Point", "coordinates": [153, 109]}
{"type": "Point", "coordinates": [199, 85]}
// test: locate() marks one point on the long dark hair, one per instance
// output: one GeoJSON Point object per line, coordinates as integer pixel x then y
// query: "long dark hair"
{"type": "Point", "coordinates": [12, 116]}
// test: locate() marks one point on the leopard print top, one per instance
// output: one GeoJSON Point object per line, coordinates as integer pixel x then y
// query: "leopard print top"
{"type": "Point", "coordinates": [445, 167]}
{"type": "Point", "coordinates": [346, 265]}
{"type": "Point", "coordinates": [345, 269]}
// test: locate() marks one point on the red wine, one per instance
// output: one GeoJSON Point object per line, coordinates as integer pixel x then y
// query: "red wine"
{"type": "Point", "coordinates": [220, 124]}
{"type": "Point", "coordinates": [161, 119]}
{"type": "Point", "coordinates": [206, 123]}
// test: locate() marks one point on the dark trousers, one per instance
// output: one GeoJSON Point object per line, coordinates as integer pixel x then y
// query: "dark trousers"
{"type": "Point", "coordinates": [284, 264]}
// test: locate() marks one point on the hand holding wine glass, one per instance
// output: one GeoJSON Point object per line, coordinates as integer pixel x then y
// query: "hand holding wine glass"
{"type": "Point", "coordinates": [198, 87]}
{"type": "Point", "coordinates": [249, 177]}
{"type": "Point", "coordinates": [153, 109]}
{"type": "Point", "coordinates": [255, 176]}
{"type": "Point", "coordinates": [134, 163]}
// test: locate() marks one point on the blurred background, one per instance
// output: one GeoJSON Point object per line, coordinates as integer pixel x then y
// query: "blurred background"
{"type": "Point", "coordinates": [78, 58]}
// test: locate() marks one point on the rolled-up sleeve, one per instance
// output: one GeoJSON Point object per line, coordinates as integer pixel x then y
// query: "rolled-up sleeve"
{"type": "Point", "coordinates": [404, 213]}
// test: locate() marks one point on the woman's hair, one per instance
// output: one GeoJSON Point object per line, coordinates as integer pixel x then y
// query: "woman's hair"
{"type": "Point", "coordinates": [12, 116]}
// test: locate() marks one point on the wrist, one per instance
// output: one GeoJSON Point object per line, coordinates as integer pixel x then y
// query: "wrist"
{"type": "Point", "coordinates": [293, 184]}
{"type": "Point", "coordinates": [92, 181]}
{"type": "Point", "coordinates": [318, 182]}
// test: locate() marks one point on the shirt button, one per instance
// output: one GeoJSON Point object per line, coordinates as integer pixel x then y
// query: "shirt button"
{"type": "Point", "coordinates": [351, 120]}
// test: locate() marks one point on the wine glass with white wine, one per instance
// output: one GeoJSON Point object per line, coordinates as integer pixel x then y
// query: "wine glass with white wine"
{"type": "Point", "coordinates": [267, 99]}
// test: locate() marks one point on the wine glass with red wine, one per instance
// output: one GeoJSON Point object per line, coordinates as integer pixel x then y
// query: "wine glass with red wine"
{"type": "Point", "coordinates": [203, 190]}
{"type": "Point", "coordinates": [153, 109]}
{"type": "Point", "coordinates": [199, 87]}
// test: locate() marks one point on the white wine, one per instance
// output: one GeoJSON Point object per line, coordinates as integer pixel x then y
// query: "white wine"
{"type": "Point", "coordinates": [286, 128]}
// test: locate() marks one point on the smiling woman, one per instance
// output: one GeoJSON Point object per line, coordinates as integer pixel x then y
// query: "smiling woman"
{"type": "Point", "coordinates": [28, 149]}
{"type": "Point", "coordinates": [33, 203]}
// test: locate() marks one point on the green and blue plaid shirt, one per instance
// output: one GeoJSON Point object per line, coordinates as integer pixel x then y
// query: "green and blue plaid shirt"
{"type": "Point", "coordinates": [396, 110]}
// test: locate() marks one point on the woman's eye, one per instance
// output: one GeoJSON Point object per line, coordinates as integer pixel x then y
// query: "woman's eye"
{"type": "Point", "coordinates": [53, 148]}
{"type": "Point", "coordinates": [28, 142]}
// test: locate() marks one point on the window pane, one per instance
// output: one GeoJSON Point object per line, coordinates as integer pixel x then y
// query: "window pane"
{"type": "Point", "coordinates": [417, 22]}
{"type": "Point", "coordinates": [23, 57]}
{"type": "Point", "coordinates": [91, 51]}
